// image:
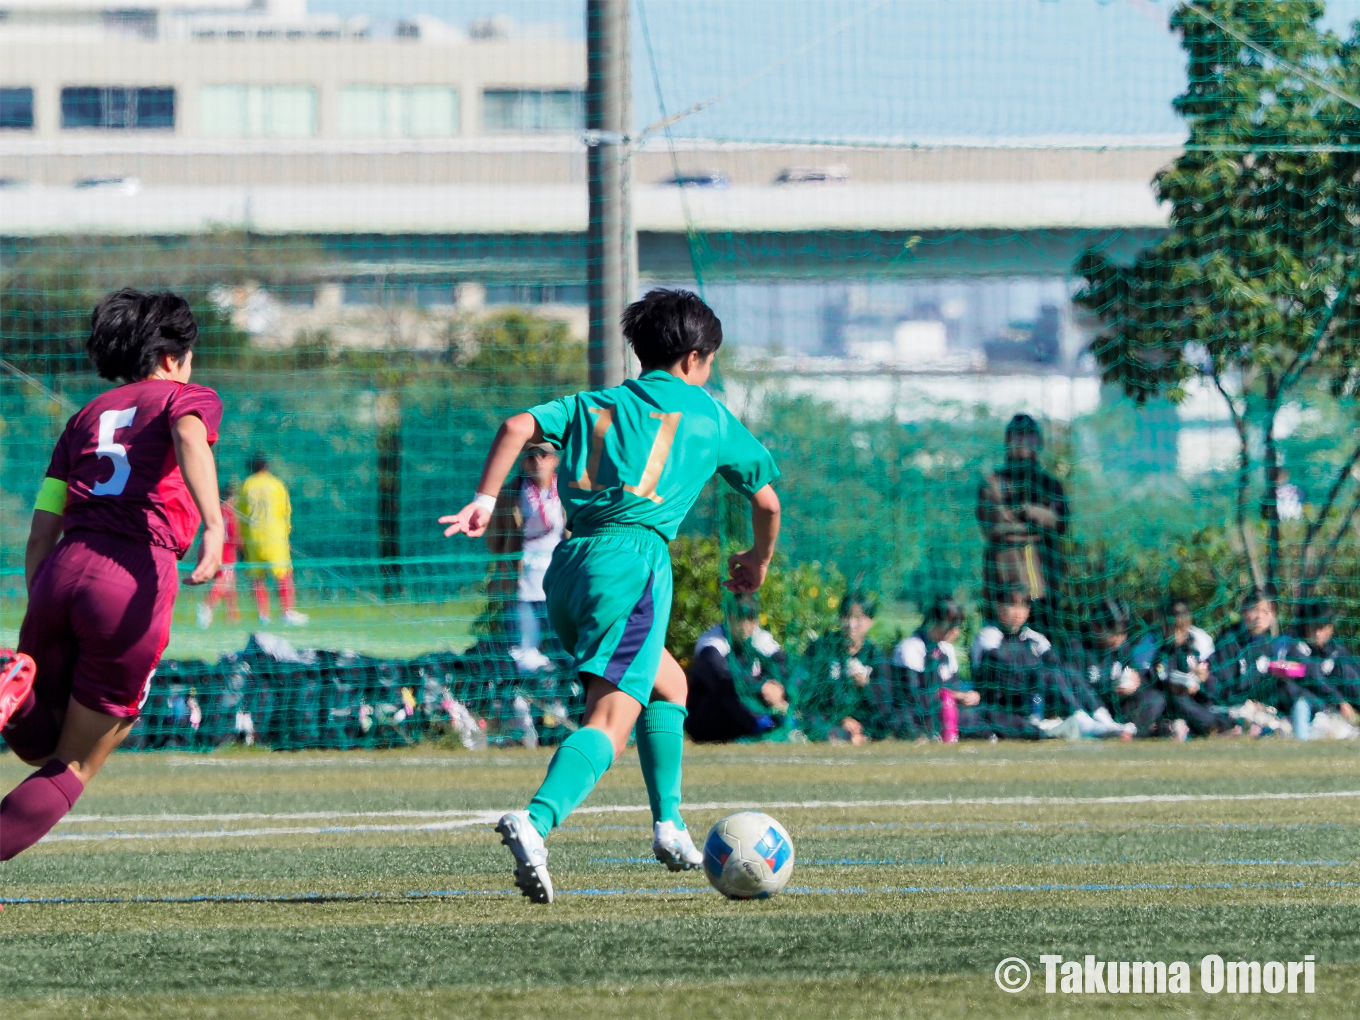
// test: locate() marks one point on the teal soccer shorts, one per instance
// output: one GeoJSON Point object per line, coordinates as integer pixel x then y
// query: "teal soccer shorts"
{"type": "Point", "coordinates": [609, 599]}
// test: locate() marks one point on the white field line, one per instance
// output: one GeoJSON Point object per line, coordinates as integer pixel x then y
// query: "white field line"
{"type": "Point", "coordinates": [437, 821]}
{"type": "Point", "coordinates": [484, 818]}
{"type": "Point", "coordinates": [284, 816]}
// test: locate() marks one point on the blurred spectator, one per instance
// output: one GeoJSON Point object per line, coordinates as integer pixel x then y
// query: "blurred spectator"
{"type": "Point", "coordinates": [1329, 661]}
{"type": "Point", "coordinates": [1306, 666]}
{"type": "Point", "coordinates": [1024, 682]}
{"type": "Point", "coordinates": [528, 520]}
{"type": "Point", "coordinates": [1240, 667]}
{"type": "Point", "coordinates": [736, 685]}
{"type": "Point", "coordinates": [1023, 513]}
{"type": "Point", "coordinates": [843, 691]}
{"type": "Point", "coordinates": [1288, 504]}
{"type": "Point", "coordinates": [1176, 659]}
{"type": "Point", "coordinates": [265, 515]}
{"type": "Point", "coordinates": [224, 585]}
{"type": "Point", "coordinates": [926, 672]}
{"type": "Point", "coordinates": [1112, 671]}
{"type": "Point", "coordinates": [927, 680]}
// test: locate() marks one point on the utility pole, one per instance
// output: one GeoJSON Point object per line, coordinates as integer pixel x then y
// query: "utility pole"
{"type": "Point", "coordinates": [611, 251]}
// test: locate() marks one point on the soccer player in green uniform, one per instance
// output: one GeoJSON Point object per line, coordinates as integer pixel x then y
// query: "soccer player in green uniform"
{"type": "Point", "coordinates": [634, 460]}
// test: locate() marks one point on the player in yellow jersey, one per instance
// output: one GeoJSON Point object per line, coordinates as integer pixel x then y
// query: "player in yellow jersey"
{"type": "Point", "coordinates": [266, 516]}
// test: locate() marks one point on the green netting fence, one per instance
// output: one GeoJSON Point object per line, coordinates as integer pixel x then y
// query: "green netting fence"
{"type": "Point", "coordinates": [1191, 369]}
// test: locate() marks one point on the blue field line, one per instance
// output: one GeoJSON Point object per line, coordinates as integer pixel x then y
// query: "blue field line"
{"type": "Point", "coordinates": [437, 894]}
{"type": "Point", "coordinates": [1026, 826]}
{"type": "Point", "coordinates": [953, 861]}
{"type": "Point", "coordinates": [1047, 826]}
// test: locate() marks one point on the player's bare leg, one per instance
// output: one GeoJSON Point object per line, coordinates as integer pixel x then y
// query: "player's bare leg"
{"type": "Point", "coordinates": [577, 766]}
{"type": "Point", "coordinates": [661, 745]}
{"type": "Point", "coordinates": [43, 799]}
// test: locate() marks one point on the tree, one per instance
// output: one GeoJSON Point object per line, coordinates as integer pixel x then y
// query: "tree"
{"type": "Point", "coordinates": [1254, 289]}
{"type": "Point", "coordinates": [49, 287]}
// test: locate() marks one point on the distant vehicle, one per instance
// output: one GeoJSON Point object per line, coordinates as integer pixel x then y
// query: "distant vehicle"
{"type": "Point", "coordinates": [11, 182]}
{"type": "Point", "coordinates": [112, 182]}
{"type": "Point", "coordinates": [698, 179]}
{"type": "Point", "coordinates": [835, 174]}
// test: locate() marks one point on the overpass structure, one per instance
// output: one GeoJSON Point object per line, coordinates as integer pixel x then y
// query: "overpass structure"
{"type": "Point", "coordinates": [1012, 209]}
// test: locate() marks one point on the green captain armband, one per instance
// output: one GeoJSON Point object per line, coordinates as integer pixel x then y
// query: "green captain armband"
{"type": "Point", "coordinates": [52, 496]}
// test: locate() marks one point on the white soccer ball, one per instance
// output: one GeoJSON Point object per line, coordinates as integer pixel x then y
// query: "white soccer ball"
{"type": "Point", "coordinates": [748, 856]}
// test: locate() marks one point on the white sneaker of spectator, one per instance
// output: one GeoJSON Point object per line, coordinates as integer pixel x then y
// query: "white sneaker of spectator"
{"type": "Point", "coordinates": [531, 660]}
{"type": "Point", "coordinates": [1126, 730]}
{"type": "Point", "coordinates": [1050, 727]}
{"type": "Point", "coordinates": [524, 719]}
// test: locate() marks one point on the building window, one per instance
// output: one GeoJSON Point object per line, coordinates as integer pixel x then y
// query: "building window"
{"type": "Point", "coordinates": [257, 111]}
{"type": "Point", "coordinates": [16, 109]}
{"type": "Point", "coordinates": [116, 108]}
{"type": "Point", "coordinates": [536, 294]}
{"type": "Point", "coordinates": [408, 112]}
{"type": "Point", "coordinates": [526, 110]}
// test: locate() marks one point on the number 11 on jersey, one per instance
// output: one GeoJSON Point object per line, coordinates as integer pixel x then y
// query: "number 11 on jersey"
{"type": "Point", "coordinates": [656, 457]}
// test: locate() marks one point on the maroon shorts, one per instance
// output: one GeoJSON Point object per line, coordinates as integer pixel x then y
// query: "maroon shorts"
{"type": "Point", "coordinates": [98, 619]}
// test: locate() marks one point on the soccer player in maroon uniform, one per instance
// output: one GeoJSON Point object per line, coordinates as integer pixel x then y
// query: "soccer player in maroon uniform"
{"type": "Point", "coordinates": [129, 481]}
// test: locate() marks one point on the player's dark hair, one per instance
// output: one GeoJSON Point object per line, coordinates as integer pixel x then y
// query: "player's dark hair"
{"type": "Point", "coordinates": [665, 325]}
{"type": "Point", "coordinates": [1111, 616]}
{"type": "Point", "coordinates": [1024, 427]}
{"type": "Point", "coordinates": [257, 463]}
{"type": "Point", "coordinates": [868, 605]}
{"type": "Point", "coordinates": [1174, 607]}
{"type": "Point", "coordinates": [130, 330]}
{"type": "Point", "coordinates": [944, 611]}
{"type": "Point", "coordinates": [744, 607]}
{"type": "Point", "coordinates": [1013, 594]}
{"type": "Point", "coordinates": [1254, 597]}
{"type": "Point", "coordinates": [1313, 613]}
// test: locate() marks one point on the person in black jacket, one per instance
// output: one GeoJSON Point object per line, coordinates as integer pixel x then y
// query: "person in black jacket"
{"type": "Point", "coordinates": [1020, 676]}
{"type": "Point", "coordinates": [736, 687]}
{"type": "Point", "coordinates": [926, 666]}
{"type": "Point", "coordinates": [1331, 675]}
{"type": "Point", "coordinates": [1108, 661]}
{"type": "Point", "coordinates": [1023, 512]}
{"type": "Point", "coordinates": [1176, 661]}
{"type": "Point", "coordinates": [1240, 667]}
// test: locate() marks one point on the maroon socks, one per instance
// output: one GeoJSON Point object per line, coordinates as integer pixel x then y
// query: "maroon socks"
{"type": "Point", "coordinates": [32, 731]}
{"type": "Point", "coordinates": [35, 805]}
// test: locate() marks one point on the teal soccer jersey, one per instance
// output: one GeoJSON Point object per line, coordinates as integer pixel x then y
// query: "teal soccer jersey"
{"type": "Point", "coordinates": [634, 460]}
{"type": "Point", "coordinates": [642, 452]}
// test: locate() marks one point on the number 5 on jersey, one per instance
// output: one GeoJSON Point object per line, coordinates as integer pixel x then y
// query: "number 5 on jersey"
{"type": "Point", "coordinates": [656, 458]}
{"type": "Point", "coordinates": [109, 423]}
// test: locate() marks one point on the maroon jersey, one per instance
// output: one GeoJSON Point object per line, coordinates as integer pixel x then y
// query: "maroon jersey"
{"type": "Point", "coordinates": [117, 457]}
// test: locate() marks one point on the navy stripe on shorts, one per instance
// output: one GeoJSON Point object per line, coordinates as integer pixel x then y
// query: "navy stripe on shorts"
{"type": "Point", "coordinates": [635, 633]}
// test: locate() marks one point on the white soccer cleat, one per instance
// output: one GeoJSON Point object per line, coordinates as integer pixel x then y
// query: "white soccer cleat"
{"type": "Point", "coordinates": [295, 619]}
{"type": "Point", "coordinates": [205, 616]}
{"type": "Point", "coordinates": [531, 856]}
{"type": "Point", "coordinates": [674, 848]}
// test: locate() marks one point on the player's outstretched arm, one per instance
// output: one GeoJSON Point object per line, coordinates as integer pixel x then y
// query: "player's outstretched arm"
{"type": "Point", "coordinates": [747, 569]}
{"type": "Point", "coordinates": [195, 457]}
{"type": "Point", "coordinates": [500, 461]}
{"type": "Point", "coordinates": [43, 535]}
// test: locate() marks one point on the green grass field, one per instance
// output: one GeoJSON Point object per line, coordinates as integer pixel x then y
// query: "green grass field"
{"type": "Point", "coordinates": [895, 908]}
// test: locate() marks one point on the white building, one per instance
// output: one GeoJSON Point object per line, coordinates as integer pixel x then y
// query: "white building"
{"type": "Point", "coordinates": [182, 73]}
